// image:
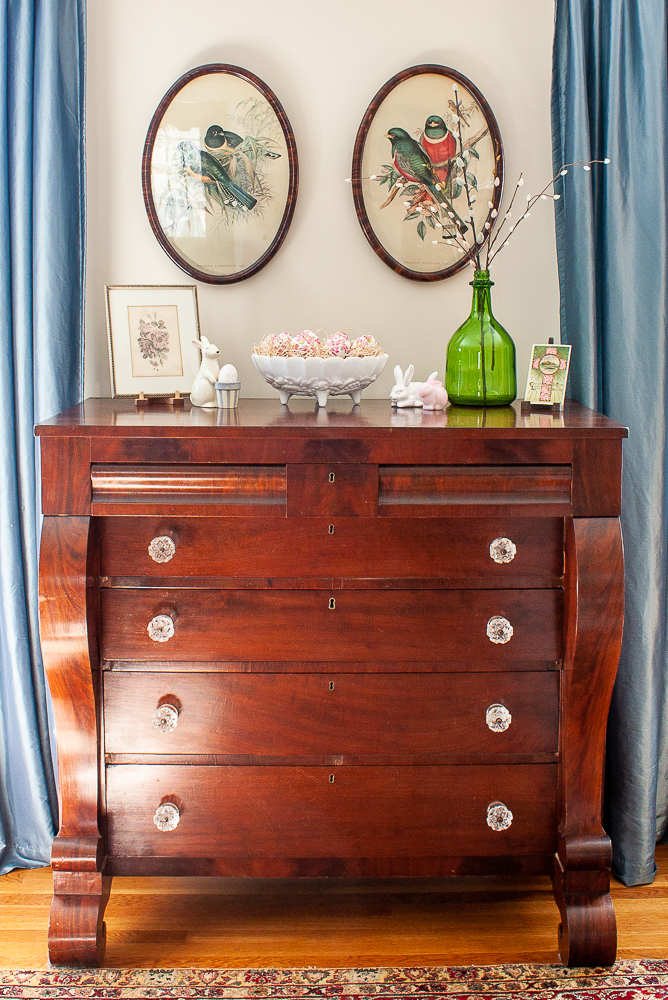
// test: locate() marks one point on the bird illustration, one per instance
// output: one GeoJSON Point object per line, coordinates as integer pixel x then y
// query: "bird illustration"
{"type": "Point", "coordinates": [413, 163]}
{"type": "Point", "coordinates": [218, 139]}
{"type": "Point", "coordinates": [215, 177]}
{"type": "Point", "coordinates": [464, 114]}
{"type": "Point", "coordinates": [440, 144]}
{"type": "Point", "coordinates": [226, 147]}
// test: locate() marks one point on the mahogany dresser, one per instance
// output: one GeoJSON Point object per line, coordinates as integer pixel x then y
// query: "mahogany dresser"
{"type": "Point", "coordinates": [290, 641]}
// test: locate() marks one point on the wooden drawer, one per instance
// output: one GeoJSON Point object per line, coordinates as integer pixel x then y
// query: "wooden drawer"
{"type": "Point", "coordinates": [452, 550]}
{"type": "Point", "coordinates": [239, 490]}
{"type": "Point", "coordinates": [317, 812]}
{"type": "Point", "coordinates": [289, 625]}
{"type": "Point", "coordinates": [431, 491]}
{"type": "Point", "coordinates": [341, 714]}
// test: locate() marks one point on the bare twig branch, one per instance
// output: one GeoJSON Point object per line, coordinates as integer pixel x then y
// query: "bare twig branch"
{"type": "Point", "coordinates": [531, 201]}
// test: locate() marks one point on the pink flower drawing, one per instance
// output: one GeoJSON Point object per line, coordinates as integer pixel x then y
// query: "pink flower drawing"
{"type": "Point", "coordinates": [153, 340]}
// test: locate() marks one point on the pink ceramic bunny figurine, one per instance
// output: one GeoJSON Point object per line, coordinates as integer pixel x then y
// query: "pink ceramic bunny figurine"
{"type": "Point", "coordinates": [434, 396]}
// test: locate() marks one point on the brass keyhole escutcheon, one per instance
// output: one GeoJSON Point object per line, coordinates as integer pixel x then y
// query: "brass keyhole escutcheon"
{"type": "Point", "coordinates": [331, 779]}
{"type": "Point", "coordinates": [331, 685]}
{"type": "Point", "coordinates": [332, 477]}
{"type": "Point", "coordinates": [331, 529]}
{"type": "Point", "coordinates": [332, 603]}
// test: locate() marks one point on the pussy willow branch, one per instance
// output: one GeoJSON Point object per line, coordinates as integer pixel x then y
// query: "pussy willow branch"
{"type": "Point", "coordinates": [532, 201]}
{"type": "Point", "coordinates": [466, 183]}
{"type": "Point", "coordinates": [492, 240]}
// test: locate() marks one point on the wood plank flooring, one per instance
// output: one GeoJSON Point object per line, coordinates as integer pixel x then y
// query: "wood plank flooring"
{"type": "Point", "coordinates": [172, 922]}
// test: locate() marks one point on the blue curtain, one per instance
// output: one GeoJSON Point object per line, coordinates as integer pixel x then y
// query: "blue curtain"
{"type": "Point", "coordinates": [42, 48]}
{"type": "Point", "coordinates": [610, 98]}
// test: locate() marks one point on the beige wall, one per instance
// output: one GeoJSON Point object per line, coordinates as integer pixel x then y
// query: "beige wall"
{"type": "Point", "coordinates": [325, 61]}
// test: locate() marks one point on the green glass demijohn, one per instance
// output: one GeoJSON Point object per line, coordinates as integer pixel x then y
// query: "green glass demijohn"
{"type": "Point", "coordinates": [480, 361]}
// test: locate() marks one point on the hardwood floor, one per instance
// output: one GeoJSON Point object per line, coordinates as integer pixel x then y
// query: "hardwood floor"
{"type": "Point", "coordinates": [329, 923]}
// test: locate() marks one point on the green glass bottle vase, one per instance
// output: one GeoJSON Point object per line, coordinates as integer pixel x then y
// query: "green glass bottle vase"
{"type": "Point", "coordinates": [480, 361]}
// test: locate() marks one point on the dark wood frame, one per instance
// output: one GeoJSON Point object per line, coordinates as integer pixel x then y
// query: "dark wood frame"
{"type": "Point", "coordinates": [360, 207]}
{"type": "Point", "coordinates": [270, 97]}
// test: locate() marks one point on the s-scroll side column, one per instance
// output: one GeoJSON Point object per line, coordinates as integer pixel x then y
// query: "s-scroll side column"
{"type": "Point", "coordinates": [594, 603]}
{"type": "Point", "coordinates": [68, 602]}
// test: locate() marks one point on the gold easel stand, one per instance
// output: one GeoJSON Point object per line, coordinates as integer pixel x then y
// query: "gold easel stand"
{"type": "Point", "coordinates": [176, 400]}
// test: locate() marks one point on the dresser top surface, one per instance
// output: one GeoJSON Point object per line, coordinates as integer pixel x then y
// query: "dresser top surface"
{"type": "Point", "coordinates": [301, 417]}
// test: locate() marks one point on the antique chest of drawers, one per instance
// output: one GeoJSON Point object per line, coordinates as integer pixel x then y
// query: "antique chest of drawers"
{"type": "Point", "coordinates": [344, 642]}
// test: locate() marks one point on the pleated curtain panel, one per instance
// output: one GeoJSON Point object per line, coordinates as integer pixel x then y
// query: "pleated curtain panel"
{"type": "Point", "coordinates": [609, 98]}
{"type": "Point", "coordinates": [42, 51]}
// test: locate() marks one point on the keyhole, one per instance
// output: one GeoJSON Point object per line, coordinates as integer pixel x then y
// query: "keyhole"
{"type": "Point", "coordinates": [332, 603]}
{"type": "Point", "coordinates": [331, 685]}
{"type": "Point", "coordinates": [331, 779]}
{"type": "Point", "coordinates": [332, 477]}
{"type": "Point", "coordinates": [331, 529]}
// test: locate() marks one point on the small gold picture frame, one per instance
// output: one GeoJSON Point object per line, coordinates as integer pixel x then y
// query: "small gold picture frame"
{"type": "Point", "coordinates": [151, 329]}
{"type": "Point", "coordinates": [548, 375]}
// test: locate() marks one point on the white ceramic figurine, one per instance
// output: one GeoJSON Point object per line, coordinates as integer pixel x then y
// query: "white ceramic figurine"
{"type": "Point", "coordinates": [405, 392]}
{"type": "Point", "coordinates": [203, 392]}
{"type": "Point", "coordinates": [434, 396]}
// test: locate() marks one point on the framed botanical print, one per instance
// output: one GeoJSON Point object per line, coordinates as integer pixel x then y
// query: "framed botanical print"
{"type": "Point", "coordinates": [220, 173]}
{"type": "Point", "coordinates": [428, 145]}
{"type": "Point", "coordinates": [151, 329]}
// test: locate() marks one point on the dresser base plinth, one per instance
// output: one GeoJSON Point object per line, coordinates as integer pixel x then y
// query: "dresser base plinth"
{"type": "Point", "coordinates": [77, 932]}
{"type": "Point", "coordinates": [588, 930]}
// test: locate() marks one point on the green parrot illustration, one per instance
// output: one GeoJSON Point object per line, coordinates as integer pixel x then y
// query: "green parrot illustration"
{"type": "Point", "coordinates": [413, 163]}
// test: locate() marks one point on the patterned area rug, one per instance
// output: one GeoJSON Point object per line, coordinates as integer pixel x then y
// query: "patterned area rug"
{"type": "Point", "coordinates": [641, 980]}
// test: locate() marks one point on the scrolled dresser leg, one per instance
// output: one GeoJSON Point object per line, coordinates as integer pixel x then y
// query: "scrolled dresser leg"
{"type": "Point", "coordinates": [588, 929]}
{"type": "Point", "coordinates": [77, 932]}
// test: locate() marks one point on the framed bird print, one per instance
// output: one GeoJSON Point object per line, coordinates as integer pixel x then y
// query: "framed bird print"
{"type": "Point", "coordinates": [428, 154]}
{"type": "Point", "coordinates": [220, 173]}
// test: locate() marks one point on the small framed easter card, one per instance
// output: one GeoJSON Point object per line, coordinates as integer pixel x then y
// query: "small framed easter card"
{"type": "Point", "coordinates": [548, 374]}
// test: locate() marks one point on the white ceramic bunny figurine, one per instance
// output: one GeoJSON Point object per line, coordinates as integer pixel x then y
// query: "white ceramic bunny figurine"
{"type": "Point", "coordinates": [203, 392]}
{"type": "Point", "coordinates": [405, 392]}
{"type": "Point", "coordinates": [434, 396]}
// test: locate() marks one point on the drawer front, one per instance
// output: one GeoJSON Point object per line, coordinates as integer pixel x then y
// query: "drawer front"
{"type": "Point", "coordinates": [336, 489]}
{"type": "Point", "coordinates": [253, 490]}
{"type": "Point", "coordinates": [450, 549]}
{"type": "Point", "coordinates": [317, 626]}
{"type": "Point", "coordinates": [430, 491]}
{"type": "Point", "coordinates": [344, 714]}
{"type": "Point", "coordinates": [317, 812]}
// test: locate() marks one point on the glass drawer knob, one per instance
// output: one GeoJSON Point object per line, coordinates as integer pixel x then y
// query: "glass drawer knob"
{"type": "Point", "coordinates": [502, 550]}
{"type": "Point", "coordinates": [160, 628]}
{"type": "Point", "coordinates": [497, 717]}
{"type": "Point", "coordinates": [499, 817]}
{"type": "Point", "coordinates": [499, 630]}
{"type": "Point", "coordinates": [161, 549]}
{"type": "Point", "coordinates": [165, 718]}
{"type": "Point", "coordinates": [166, 817]}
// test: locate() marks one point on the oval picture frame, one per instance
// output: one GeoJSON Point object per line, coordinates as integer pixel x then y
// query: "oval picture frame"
{"type": "Point", "coordinates": [410, 233]}
{"type": "Point", "coordinates": [220, 173]}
